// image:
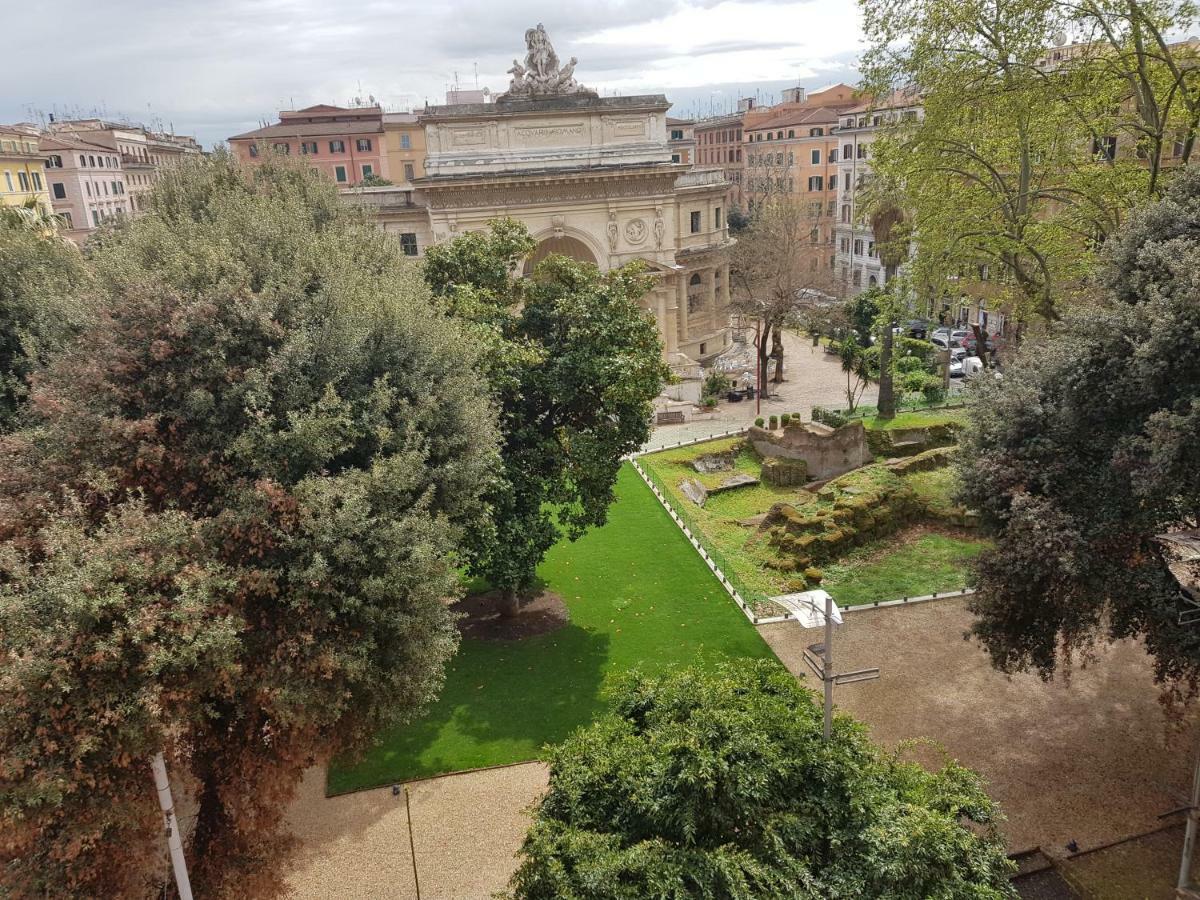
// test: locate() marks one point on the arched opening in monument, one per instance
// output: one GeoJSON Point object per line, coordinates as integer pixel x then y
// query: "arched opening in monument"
{"type": "Point", "coordinates": [563, 246]}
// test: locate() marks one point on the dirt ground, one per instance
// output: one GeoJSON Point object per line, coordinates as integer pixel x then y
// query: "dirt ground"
{"type": "Point", "coordinates": [481, 617]}
{"type": "Point", "coordinates": [1087, 758]}
{"type": "Point", "coordinates": [466, 829]}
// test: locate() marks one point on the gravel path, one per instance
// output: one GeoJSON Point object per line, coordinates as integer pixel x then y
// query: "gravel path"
{"type": "Point", "coordinates": [466, 829]}
{"type": "Point", "coordinates": [1085, 758]}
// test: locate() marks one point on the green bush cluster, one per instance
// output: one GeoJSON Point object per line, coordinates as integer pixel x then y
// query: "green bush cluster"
{"type": "Point", "coordinates": [759, 421]}
{"type": "Point", "coordinates": [785, 419]}
{"type": "Point", "coordinates": [830, 417]}
{"type": "Point", "coordinates": [774, 422]}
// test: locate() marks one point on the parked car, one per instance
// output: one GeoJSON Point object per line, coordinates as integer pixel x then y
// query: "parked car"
{"type": "Point", "coordinates": [946, 342]}
{"type": "Point", "coordinates": [917, 328]}
{"type": "Point", "coordinates": [993, 341]}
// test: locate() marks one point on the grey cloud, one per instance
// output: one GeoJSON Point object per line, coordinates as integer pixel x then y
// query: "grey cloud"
{"type": "Point", "coordinates": [215, 67]}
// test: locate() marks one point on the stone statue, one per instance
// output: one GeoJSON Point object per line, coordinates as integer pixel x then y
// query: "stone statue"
{"type": "Point", "coordinates": [612, 232]}
{"type": "Point", "coordinates": [660, 228]}
{"type": "Point", "coordinates": [541, 76]}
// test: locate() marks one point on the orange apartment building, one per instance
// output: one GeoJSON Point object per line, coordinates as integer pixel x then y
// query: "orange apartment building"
{"type": "Point", "coordinates": [348, 145]}
{"type": "Point", "coordinates": [791, 149]}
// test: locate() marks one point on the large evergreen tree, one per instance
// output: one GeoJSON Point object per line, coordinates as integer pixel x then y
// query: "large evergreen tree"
{"type": "Point", "coordinates": [720, 784]}
{"type": "Point", "coordinates": [232, 526]}
{"type": "Point", "coordinates": [1087, 449]}
{"type": "Point", "coordinates": [574, 364]}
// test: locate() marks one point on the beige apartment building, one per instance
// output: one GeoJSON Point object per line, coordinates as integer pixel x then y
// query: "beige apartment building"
{"type": "Point", "coordinates": [719, 146]}
{"type": "Point", "coordinates": [681, 139]}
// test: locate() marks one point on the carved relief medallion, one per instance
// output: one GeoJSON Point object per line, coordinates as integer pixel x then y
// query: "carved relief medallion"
{"type": "Point", "coordinates": [635, 231]}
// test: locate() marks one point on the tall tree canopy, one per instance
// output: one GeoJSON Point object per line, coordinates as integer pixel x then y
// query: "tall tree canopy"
{"type": "Point", "coordinates": [1087, 449]}
{"type": "Point", "coordinates": [719, 784]}
{"type": "Point", "coordinates": [574, 363]}
{"type": "Point", "coordinates": [1006, 165]}
{"type": "Point", "coordinates": [232, 525]}
{"type": "Point", "coordinates": [40, 301]}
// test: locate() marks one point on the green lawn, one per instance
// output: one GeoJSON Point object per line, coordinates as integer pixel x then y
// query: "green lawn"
{"type": "Point", "coordinates": [921, 418]}
{"type": "Point", "coordinates": [639, 597]}
{"type": "Point", "coordinates": [909, 564]}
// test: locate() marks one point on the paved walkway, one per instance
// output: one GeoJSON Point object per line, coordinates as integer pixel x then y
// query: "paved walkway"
{"type": "Point", "coordinates": [813, 378]}
{"type": "Point", "coordinates": [466, 830]}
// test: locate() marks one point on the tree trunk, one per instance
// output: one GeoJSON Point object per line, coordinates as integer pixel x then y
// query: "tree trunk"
{"type": "Point", "coordinates": [777, 353]}
{"type": "Point", "coordinates": [510, 603]}
{"type": "Point", "coordinates": [887, 394]}
{"type": "Point", "coordinates": [762, 358]}
{"type": "Point", "coordinates": [211, 821]}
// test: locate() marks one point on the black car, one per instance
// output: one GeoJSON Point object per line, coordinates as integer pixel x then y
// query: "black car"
{"type": "Point", "coordinates": [917, 328]}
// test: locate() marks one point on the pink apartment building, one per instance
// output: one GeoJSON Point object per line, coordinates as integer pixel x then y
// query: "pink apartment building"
{"type": "Point", "coordinates": [345, 144]}
{"type": "Point", "coordinates": [87, 182]}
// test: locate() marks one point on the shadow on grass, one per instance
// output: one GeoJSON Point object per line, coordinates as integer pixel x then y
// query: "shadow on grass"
{"type": "Point", "coordinates": [479, 720]}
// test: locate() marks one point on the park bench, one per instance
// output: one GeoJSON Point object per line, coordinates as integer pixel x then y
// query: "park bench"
{"type": "Point", "coordinates": [671, 417]}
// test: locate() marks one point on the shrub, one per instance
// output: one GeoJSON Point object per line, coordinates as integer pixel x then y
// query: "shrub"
{"type": "Point", "coordinates": [830, 417]}
{"type": "Point", "coordinates": [759, 421]}
{"type": "Point", "coordinates": [774, 420]}
{"type": "Point", "coordinates": [716, 384]}
{"type": "Point", "coordinates": [906, 364]}
{"type": "Point", "coordinates": [708, 400]}
{"type": "Point", "coordinates": [784, 420]}
{"type": "Point", "coordinates": [933, 389]}
{"type": "Point", "coordinates": [796, 417]}
{"type": "Point", "coordinates": [813, 574]}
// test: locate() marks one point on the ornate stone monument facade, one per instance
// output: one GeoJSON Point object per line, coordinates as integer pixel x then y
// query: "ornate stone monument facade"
{"type": "Point", "coordinates": [591, 178]}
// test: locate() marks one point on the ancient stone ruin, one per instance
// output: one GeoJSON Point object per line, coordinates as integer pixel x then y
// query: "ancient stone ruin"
{"type": "Point", "coordinates": [826, 451]}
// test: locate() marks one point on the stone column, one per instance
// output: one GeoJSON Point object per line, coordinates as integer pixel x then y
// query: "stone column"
{"type": "Point", "coordinates": [710, 301]}
{"type": "Point", "coordinates": [666, 324]}
{"type": "Point", "coordinates": [681, 286]}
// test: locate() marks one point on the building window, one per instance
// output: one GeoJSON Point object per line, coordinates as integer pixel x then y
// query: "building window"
{"type": "Point", "coordinates": [308, 147]}
{"type": "Point", "coordinates": [779, 135]}
{"type": "Point", "coordinates": [674, 157]}
{"type": "Point", "coordinates": [816, 157]}
{"type": "Point", "coordinates": [339, 173]}
{"type": "Point", "coordinates": [8, 180]}
{"type": "Point", "coordinates": [791, 133]}
{"type": "Point", "coordinates": [858, 248]}
{"type": "Point", "coordinates": [368, 170]}
{"type": "Point", "coordinates": [87, 186]}
{"type": "Point", "coordinates": [858, 277]}
{"type": "Point", "coordinates": [1105, 148]}
{"type": "Point", "coordinates": [739, 155]}
{"type": "Point", "coordinates": [66, 218]}
{"type": "Point", "coordinates": [677, 134]}
{"type": "Point", "coordinates": [703, 348]}
{"type": "Point", "coordinates": [862, 151]}
{"type": "Point", "coordinates": [23, 180]}
{"type": "Point", "coordinates": [816, 132]}
{"type": "Point", "coordinates": [337, 146]}
{"type": "Point", "coordinates": [283, 148]}
{"type": "Point", "coordinates": [872, 281]}
{"type": "Point", "coordinates": [60, 190]}
{"type": "Point", "coordinates": [37, 181]}
{"type": "Point", "coordinates": [92, 161]}
{"type": "Point", "coordinates": [717, 218]}
{"type": "Point", "coordinates": [833, 155]}
{"type": "Point", "coordinates": [696, 222]}
{"type": "Point", "coordinates": [54, 162]}
{"type": "Point", "coordinates": [254, 150]}
{"type": "Point", "coordinates": [405, 142]}
{"type": "Point", "coordinates": [408, 243]}
{"type": "Point", "coordinates": [95, 218]}
{"type": "Point", "coordinates": [82, 161]}
{"type": "Point", "coordinates": [362, 145]}
{"type": "Point", "coordinates": [847, 152]}
{"type": "Point", "coordinates": [409, 174]}
{"type": "Point", "coordinates": [816, 183]}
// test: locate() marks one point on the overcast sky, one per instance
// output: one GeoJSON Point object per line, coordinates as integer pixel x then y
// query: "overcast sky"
{"type": "Point", "coordinates": [214, 68]}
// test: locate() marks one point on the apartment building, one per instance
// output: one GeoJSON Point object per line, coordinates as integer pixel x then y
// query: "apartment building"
{"type": "Point", "coordinates": [681, 140]}
{"type": "Point", "coordinates": [87, 182]}
{"type": "Point", "coordinates": [347, 144]}
{"type": "Point", "coordinates": [792, 150]}
{"type": "Point", "coordinates": [22, 178]}
{"type": "Point", "coordinates": [404, 145]}
{"type": "Point", "coordinates": [857, 259]}
{"type": "Point", "coordinates": [719, 146]}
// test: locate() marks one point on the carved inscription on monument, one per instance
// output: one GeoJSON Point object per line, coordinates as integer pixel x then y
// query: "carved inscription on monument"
{"type": "Point", "coordinates": [549, 135]}
{"type": "Point", "coordinates": [468, 137]}
{"type": "Point", "coordinates": [626, 128]}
